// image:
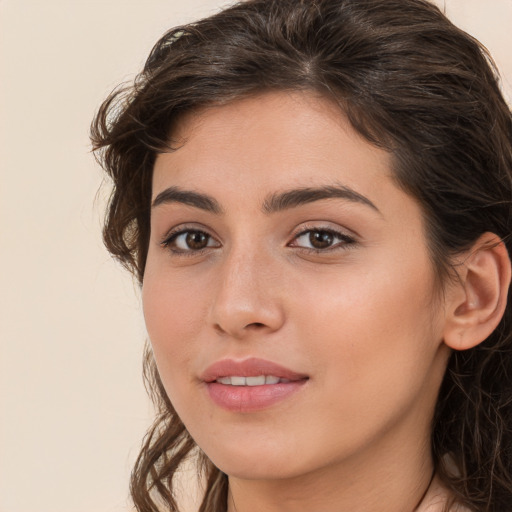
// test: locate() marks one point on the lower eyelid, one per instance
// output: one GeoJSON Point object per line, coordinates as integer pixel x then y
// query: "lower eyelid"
{"type": "Point", "coordinates": [169, 240]}
{"type": "Point", "coordinates": [343, 238]}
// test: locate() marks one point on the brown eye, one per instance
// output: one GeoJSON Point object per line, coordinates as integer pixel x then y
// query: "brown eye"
{"type": "Point", "coordinates": [196, 240]}
{"type": "Point", "coordinates": [190, 241]}
{"type": "Point", "coordinates": [321, 239]}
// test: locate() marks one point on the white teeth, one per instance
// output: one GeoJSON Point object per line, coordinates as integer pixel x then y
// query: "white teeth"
{"type": "Point", "coordinates": [259, 380]}
{"type": "Point", "coordinates": [255, 381]}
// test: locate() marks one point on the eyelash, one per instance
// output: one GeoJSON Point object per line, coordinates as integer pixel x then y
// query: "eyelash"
{"type": "Point", "coordinates": [171, 237]}
{"type": "Point", "coordinates": [343, 242]}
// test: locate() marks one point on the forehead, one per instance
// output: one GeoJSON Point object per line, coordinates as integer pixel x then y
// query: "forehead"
{"type": "Point", "coordinates": [271, 140]}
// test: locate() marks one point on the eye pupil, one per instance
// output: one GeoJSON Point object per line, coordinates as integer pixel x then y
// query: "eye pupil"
{"type": "Point", "coordinates": [196, 240]}
{"type": "Point", "coordinates": [321, 239]}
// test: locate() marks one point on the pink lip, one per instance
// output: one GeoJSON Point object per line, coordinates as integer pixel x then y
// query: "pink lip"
{"type": "Point", "coordinates": [251, 367]}
{"type": "Point", "coordinates": [250, 398]}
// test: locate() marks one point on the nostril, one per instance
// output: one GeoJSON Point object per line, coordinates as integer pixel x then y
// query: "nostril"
{"type": "Point", "coordinates": [255, 325]}
{"type": "Point", "coordinates": [251, 326]}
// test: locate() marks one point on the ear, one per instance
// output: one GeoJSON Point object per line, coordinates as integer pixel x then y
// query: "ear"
{"type": "Point", "coordinates": [477, 301]}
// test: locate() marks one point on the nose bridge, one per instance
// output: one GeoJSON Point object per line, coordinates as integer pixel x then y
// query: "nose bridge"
{"type": "Point", "coordinates": [247, 295]}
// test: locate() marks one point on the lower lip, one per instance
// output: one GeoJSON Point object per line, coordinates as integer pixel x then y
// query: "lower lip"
{"type": "Point", "coordinates": [251, 398]}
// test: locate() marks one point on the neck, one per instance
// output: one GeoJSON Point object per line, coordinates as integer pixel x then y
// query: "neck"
{"type": "Point", "coordinates": [303, 495]}
{"type": "Point", "coordinates": [388, 478]}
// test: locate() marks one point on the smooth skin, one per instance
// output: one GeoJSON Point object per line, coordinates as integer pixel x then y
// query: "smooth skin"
{"type": "Point", "coordinates": [339, 288]}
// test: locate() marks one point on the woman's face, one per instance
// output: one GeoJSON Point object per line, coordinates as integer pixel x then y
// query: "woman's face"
{"type": "Point", "coordinates": [288, 293]}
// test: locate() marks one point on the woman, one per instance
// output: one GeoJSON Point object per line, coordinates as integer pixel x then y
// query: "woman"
{"type": "Point", "coordinates": [316, 200]}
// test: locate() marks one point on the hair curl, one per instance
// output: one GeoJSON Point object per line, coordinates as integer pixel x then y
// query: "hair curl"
{"type": "Point", "coordinates": [409, 81]}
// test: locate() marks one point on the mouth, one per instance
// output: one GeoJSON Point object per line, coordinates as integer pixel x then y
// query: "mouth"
{"type": "Point", "coordinates": [249, 372]}
{"type": "Point", "coordinates": [259, 380]}
{"type": "Point", "coordinates": [251, 385]}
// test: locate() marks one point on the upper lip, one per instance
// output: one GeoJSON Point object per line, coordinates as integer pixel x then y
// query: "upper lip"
{"type": "Point", "coordinates": [251, 367]}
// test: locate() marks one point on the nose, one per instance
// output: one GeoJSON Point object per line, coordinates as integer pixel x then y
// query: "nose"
{"type": "Point", "coordinates": [248, 296]}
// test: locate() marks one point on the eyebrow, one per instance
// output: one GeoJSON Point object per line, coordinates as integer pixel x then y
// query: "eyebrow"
{"type": "Point", "coordinates": [188, 197]}
{"type": "Point", "coordinates": [297, 197]}
{"type": "Point", "coordinates": [274, 203]}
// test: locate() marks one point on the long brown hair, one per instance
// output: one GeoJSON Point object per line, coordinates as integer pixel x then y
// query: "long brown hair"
{"type": "Point", "coordinates": [410, 82]}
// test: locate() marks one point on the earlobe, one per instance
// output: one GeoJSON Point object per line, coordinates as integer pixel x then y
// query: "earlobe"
{"type": "Point", "coordinates": [478, 300]}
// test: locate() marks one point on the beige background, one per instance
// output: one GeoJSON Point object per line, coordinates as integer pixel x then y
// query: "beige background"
{"type": "Point", "coordinates": [72, 404]}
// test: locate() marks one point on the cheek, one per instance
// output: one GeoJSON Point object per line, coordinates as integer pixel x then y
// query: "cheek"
{"type": "Point", "coordinates": [372, 328]}
{"type": "Point", "coordinates": [174, 312]}
{"type": "Point", "coordinates": [372, 351]}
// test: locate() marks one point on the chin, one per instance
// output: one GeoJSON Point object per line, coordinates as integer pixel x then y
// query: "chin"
{"type": "Point", "coordinates": [257, 470]}
{"type": "Point", "coordinates": [285, 463]}
{"type": "Point", "coordinates": [250, 461]}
